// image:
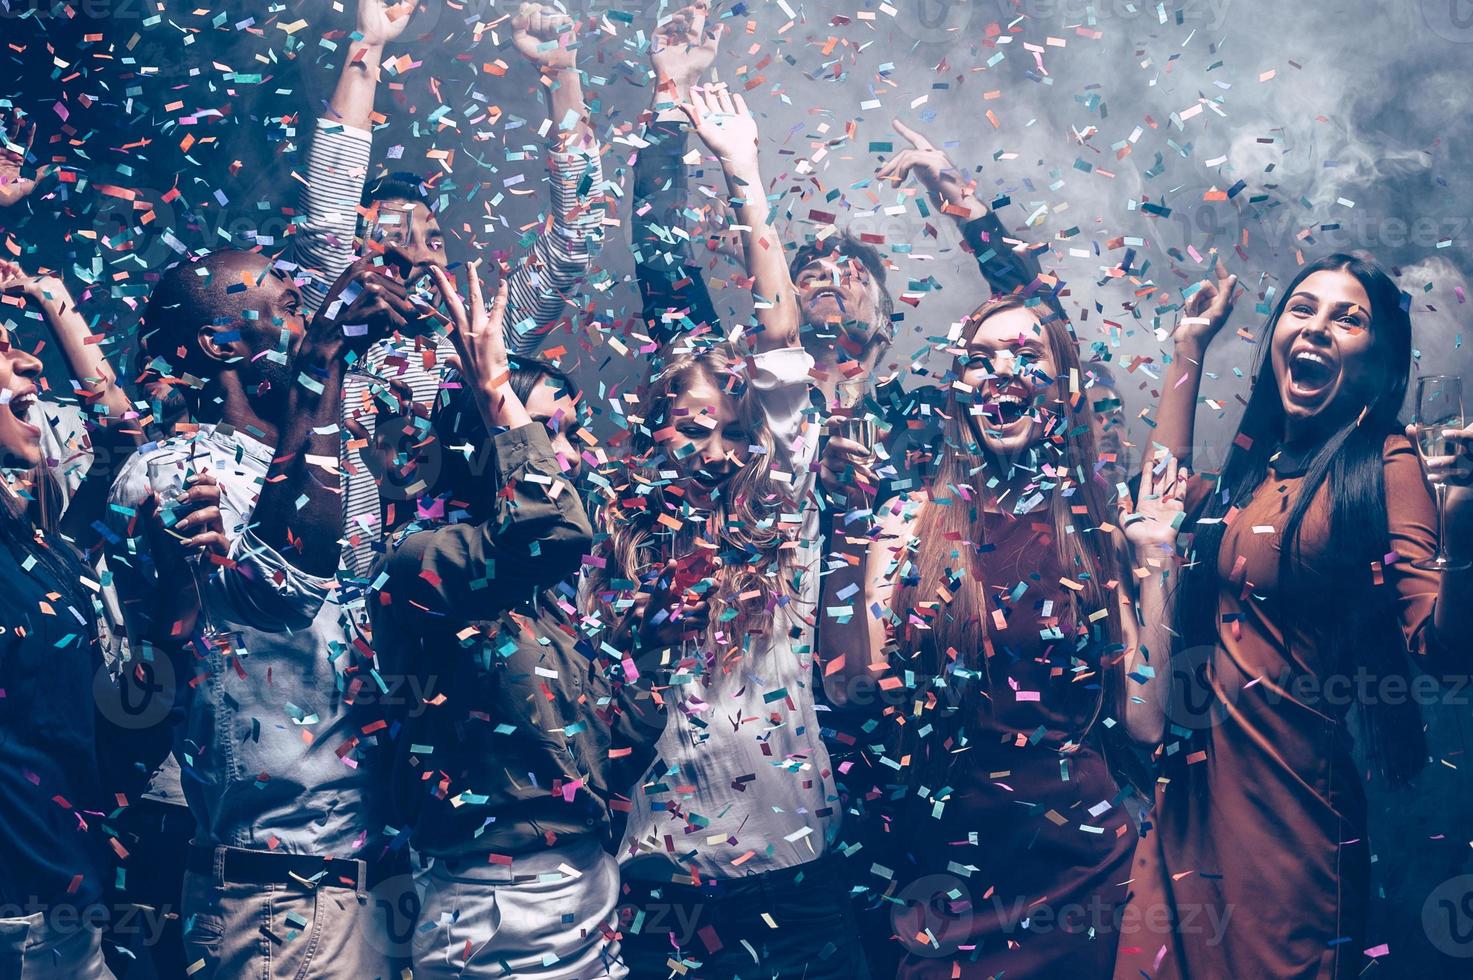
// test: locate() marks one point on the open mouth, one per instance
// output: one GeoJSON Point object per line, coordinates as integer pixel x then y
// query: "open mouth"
{"type": "Point", "coordinates": [1311, 373]}
{"type": "Point", "coordinates": [710, 479]}
{"type": "Point", "coordinates": [20, 406]}
{"type": "Point", "coordinates": [1006, 408]}
{"type": "Point", "coordinates": [826, 293]}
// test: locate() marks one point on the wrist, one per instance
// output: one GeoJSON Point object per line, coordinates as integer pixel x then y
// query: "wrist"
{"type": "Point", "coordinates": [1189, 347]}
{"type": "Point", "coordinates": [366, 53]}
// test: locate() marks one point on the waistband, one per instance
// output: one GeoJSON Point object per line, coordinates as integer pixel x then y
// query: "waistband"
{"type": "Point", "coordinates": [243, 866]}
{"type": "Point", "coordinates": [821, 871]}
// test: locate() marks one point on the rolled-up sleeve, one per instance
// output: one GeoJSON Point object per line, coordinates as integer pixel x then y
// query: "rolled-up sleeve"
{"type": "Point", "coordinates": [337, 167]}
{"type": "Point", "coordinates": [563, 252]}
{"type": "Point", "coordinates": [781, 381]}
{"type": "Point", "coordinates": [263, 590]}
{"type": "Point", "coordinates": [536, 538]}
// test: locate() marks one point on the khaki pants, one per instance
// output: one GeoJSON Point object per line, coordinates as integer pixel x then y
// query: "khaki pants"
{"type": "Point", "coordinates": [283, 931]}
{"type": "Point", "coordinates": [556, 926]}
{"type": "Point", "coordinates": [38, 947]}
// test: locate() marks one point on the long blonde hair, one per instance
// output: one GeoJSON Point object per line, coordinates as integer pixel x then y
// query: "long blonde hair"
{"type": "Point", "coordinates": [743, 531]}
{"type": "Point", "coordinates": [945, 586]}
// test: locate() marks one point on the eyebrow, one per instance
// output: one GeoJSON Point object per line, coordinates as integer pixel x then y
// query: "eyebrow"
{"type": "Point", "coordinates": [1349, 305]}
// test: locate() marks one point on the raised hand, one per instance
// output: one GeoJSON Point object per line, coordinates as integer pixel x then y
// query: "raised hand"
{"type": "Point", "coordinates": [1207, 310]}
{"type": "Point", "coordinates": [722, 121]}
{"type": "Point", "coordinates": [13, 279]}
{"type": "Point", "coordinates": [15, 142]}
{"type": "Point", "coordinates": [1151, 523]}
{"type": "Point", "coordinates": [480, 342]}
{"type": "Point", "coordinates": [946, 184]}
{"type": "Point", "coordinates": [545, 36]}
{"type": "Point", "coordinates": [366, 303]}
{"type": "Point", "coordinates": [683, 48]}
{"type": "Point", "coordinates": [381, 23]}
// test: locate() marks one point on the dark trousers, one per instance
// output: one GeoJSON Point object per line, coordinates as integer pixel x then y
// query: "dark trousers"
{"type": "Point", "coordinates": [145, 917]}
{"type": "Point", "coordinates": [718, 930]}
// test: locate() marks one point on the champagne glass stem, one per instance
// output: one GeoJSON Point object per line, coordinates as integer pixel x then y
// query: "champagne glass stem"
{"type": "Point", "coordinates": [1442, 555]}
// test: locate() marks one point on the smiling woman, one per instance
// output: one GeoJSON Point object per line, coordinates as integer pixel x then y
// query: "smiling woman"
{"type": "Point", "coordinates": [19, 439]}
{"type": "Point", "coordinates": [1303, 567]}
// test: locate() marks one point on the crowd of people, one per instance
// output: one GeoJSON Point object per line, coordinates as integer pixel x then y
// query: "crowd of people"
{"type": "Point", "coordinates": [800, 675]}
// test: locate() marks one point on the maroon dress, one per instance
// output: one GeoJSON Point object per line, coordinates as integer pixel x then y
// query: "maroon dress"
{"type": "Point", "coordinates": [1258, 865]}
{"type": "Point", "coordinates": [1023, 846]}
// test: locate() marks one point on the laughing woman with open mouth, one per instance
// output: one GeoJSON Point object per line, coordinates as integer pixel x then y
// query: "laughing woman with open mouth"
{"type": "Point", "coordinates": [1299, 582]}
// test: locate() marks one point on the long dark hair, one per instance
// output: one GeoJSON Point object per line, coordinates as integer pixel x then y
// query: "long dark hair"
{"type": "Point", "coordinates": [29, 528]}
{"type": "Point", "coordinates": [1350, 461]}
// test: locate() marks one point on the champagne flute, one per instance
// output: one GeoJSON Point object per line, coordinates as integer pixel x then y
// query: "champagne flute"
{"type": "Point", "coordinates": [857, 427]}
{"type": "Point", "coordinates": [1439, 408]}
{"type": "Point", "coordinates": [169, 476]}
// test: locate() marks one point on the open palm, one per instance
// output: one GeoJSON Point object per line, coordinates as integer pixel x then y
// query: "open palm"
{"type": "Point", "coordinates": [1152, 521]}
{"type": "Point", "coordinates": [684, 47]}
{"type": "Point", "coordinates": [14, 187]}
{"type": "Point", "coordinates": [381, 23]}
{"type": "Point", "coordinates": [723, 123]}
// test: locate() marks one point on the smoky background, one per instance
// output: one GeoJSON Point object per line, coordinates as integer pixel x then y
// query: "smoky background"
{"type": "Point", "coordinates": [1136, 139]}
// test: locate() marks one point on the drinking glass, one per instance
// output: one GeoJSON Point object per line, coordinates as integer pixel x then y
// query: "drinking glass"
{"type": "Point", "coordinates": [1439, 408]}
{"type": "Point", "coordinates": [169, 477]}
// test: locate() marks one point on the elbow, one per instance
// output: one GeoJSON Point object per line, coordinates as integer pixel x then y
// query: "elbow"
{"type": "Point", "coordinates": [562, 552]}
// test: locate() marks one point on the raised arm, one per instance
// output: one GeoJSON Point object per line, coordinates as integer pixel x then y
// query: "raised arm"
{"type": "Point", "coordinates": [104, 404]}
{"type": "Point", "coordinates": [1206, 311]}
{"type": "Point", "coordinates": [300, 511]}
{"type": "Point", "coordinates": [96, 381]}
{"type": "Point", "coordinates": [538, 531]}
{"type": "Point", "coordinates": [1150, 531]}
{"type": "Point", "coordinates": [671, 284]}
{"type": "Point", "coordinates": [723, 122]}
{"type": "Point", "coordinates": [1007, 267]}
{"type": "Point", "coordinates": [538, 287]}
{"type": "Point", "coordinates": [851, 637]}
{"type": "Point", "coordinates": [14, 188]}
{"type": "Point", "coordinates": [337, 163]}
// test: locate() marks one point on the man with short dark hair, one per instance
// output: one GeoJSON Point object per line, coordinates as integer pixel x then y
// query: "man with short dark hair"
{"type": "Point", "coordinates": [275, 756]}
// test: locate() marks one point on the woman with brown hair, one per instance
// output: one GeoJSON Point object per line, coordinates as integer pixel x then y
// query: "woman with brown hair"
{"type": "Point", "coordinates": [992, 617]}
{"type": "Point", "coordinates": [707, 574]}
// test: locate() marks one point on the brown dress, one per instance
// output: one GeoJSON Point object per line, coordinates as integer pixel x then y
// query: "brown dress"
{"type": "Point", "coordinates": [1258, 853]}
{"type": "Point", "coordinates": [1023, 848]}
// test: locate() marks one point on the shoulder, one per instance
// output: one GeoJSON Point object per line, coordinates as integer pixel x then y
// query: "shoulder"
{"type": "Point", "coordinates": [1398, 450]}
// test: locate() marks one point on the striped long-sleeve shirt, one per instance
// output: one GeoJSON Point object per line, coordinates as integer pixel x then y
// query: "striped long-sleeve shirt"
{"type": "Point", "coordinates": [323, 247]}
{"type": "Point", "coordinates": [537, 295]}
